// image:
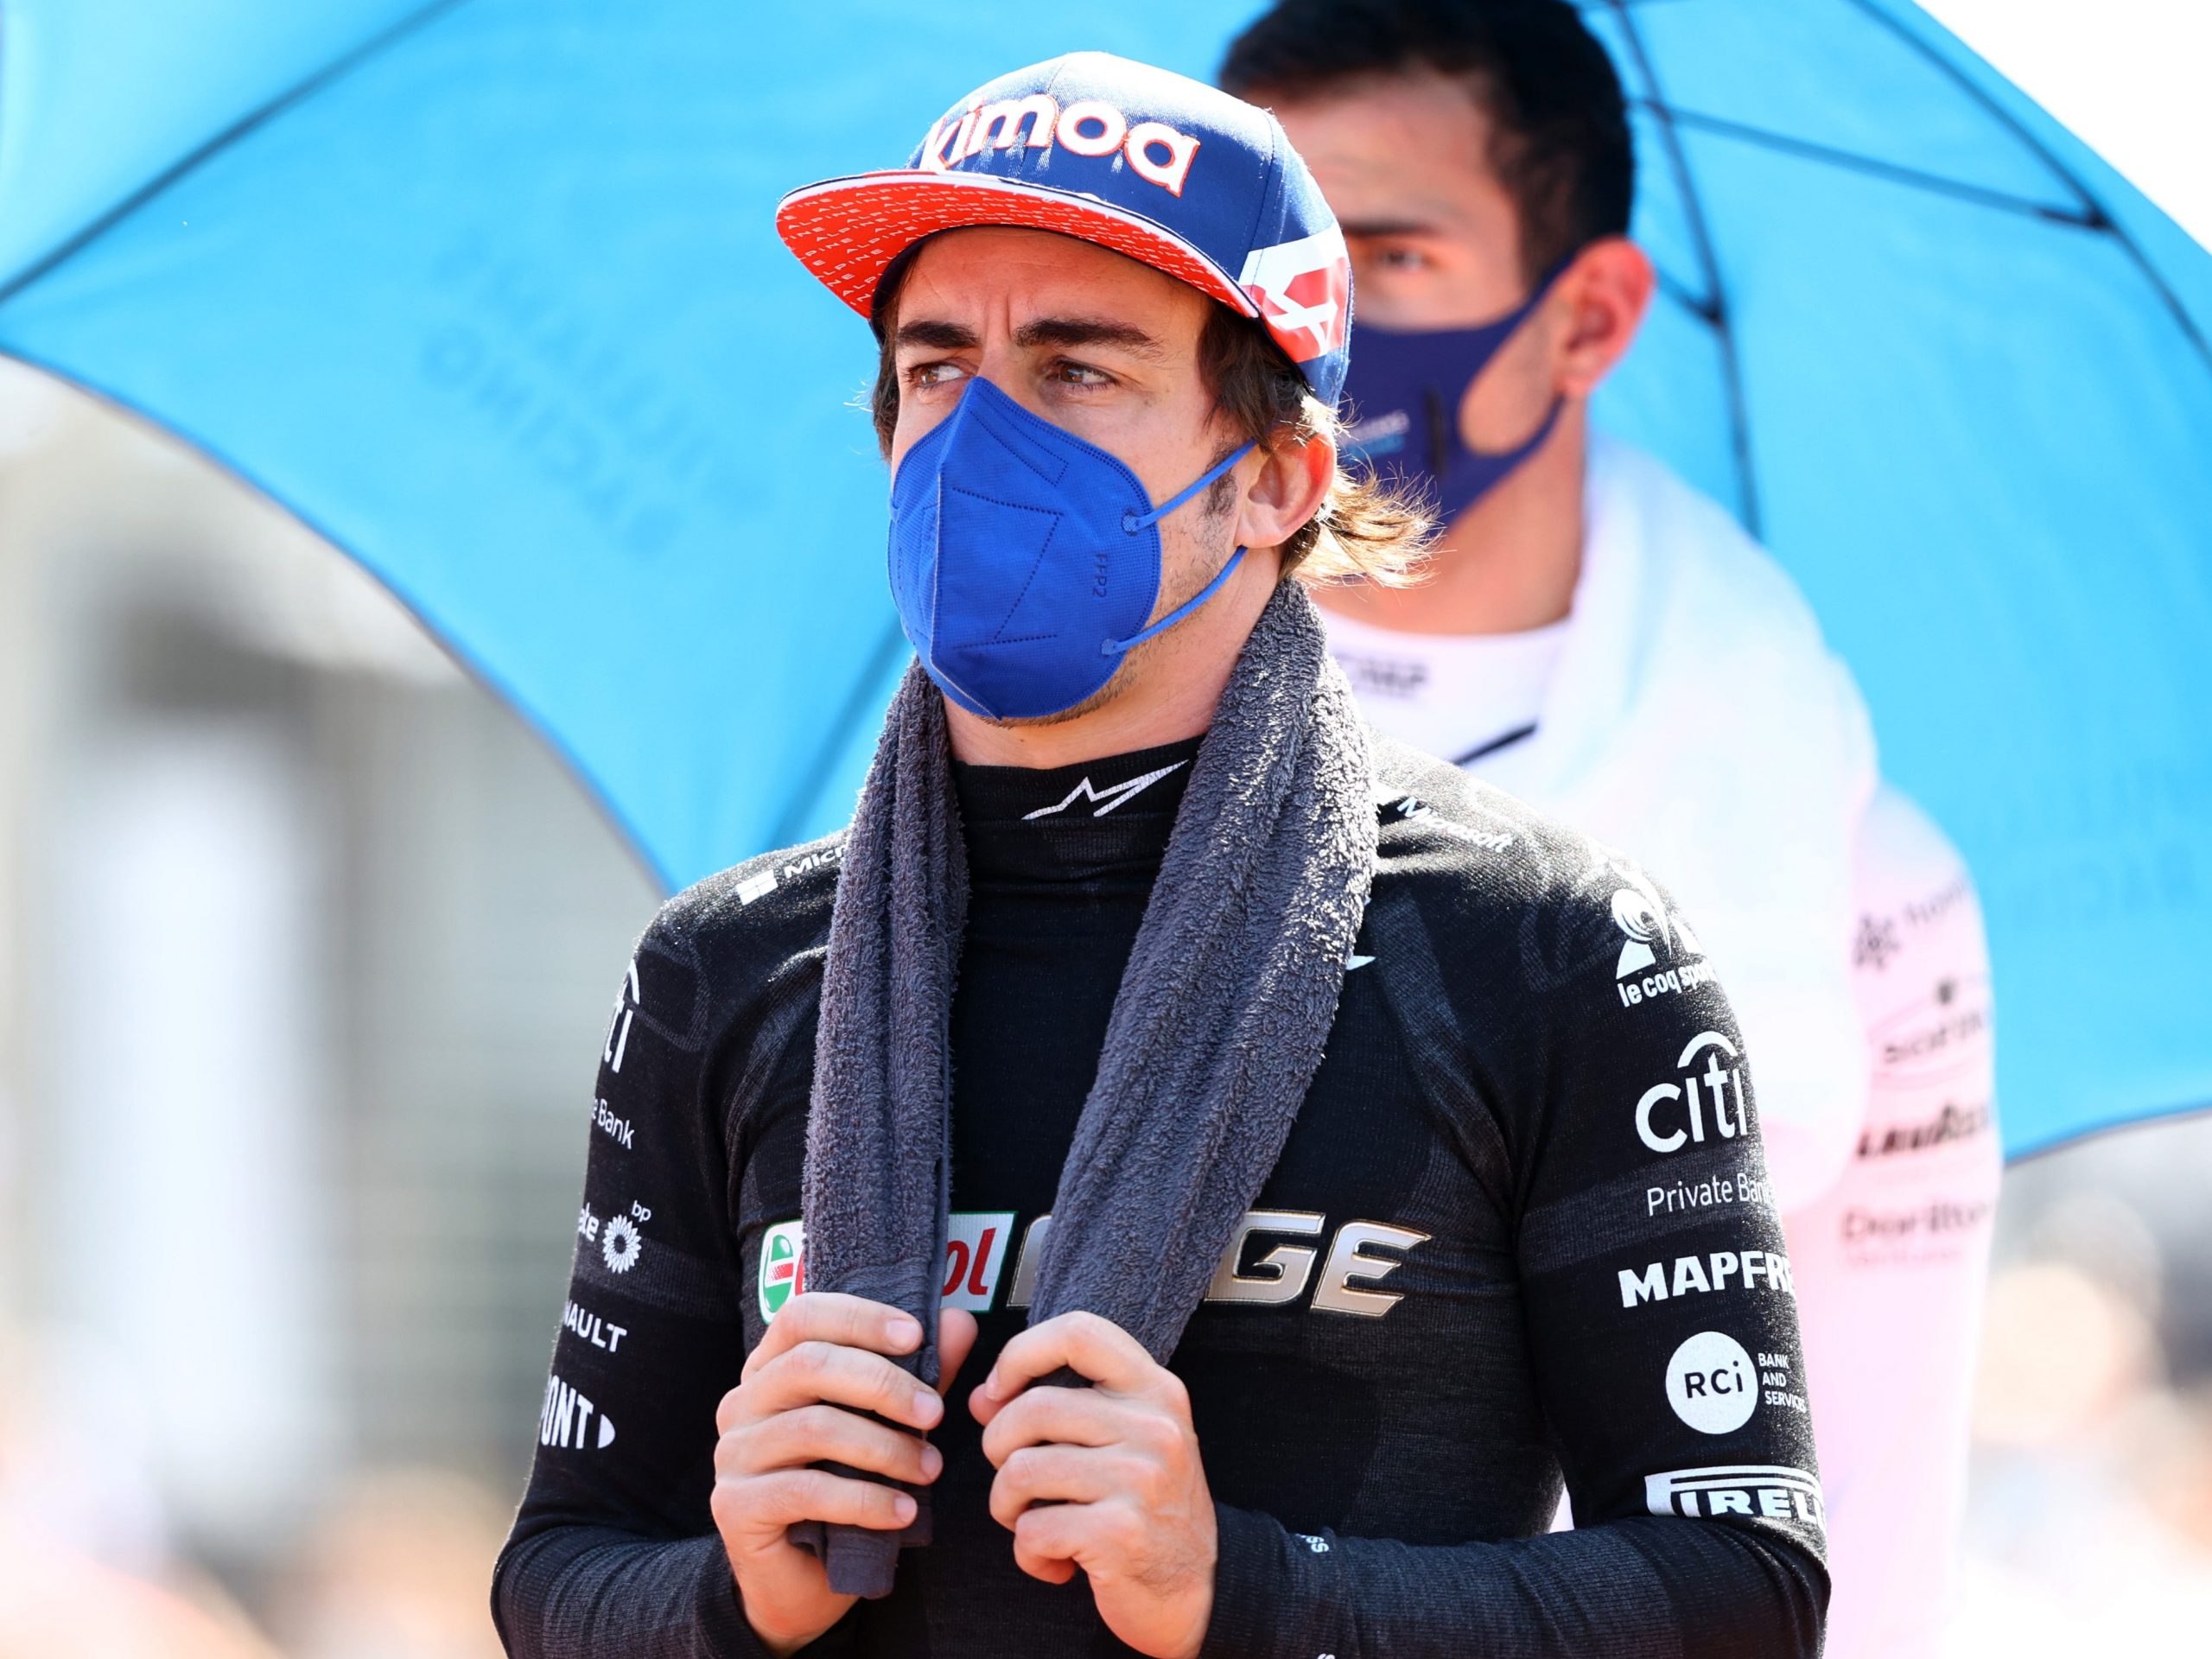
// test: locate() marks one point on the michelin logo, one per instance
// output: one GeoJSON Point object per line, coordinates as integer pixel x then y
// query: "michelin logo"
{"type": "Point", "coordinates": [1768, 1491]}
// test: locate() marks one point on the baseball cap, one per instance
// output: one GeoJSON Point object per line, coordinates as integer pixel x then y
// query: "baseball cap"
{"type": "Point", "coordinates": [1165, 170]}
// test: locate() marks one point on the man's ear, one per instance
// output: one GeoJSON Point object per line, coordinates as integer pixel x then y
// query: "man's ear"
{"type": "Point", "coordinates": [1280, 485]}
{"type": "Point", "coordinates": [1604, 294]}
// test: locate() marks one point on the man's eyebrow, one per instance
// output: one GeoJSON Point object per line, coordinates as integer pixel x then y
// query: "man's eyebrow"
{"type": "Point", "coordinates": [940, 336]}
{"type": "Point", "coordinates": [1387, 227]}
{"type": "Point", "coordinates": [1088, 331]}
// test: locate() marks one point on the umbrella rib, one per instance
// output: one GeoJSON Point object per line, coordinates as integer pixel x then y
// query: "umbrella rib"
{"type": "Point", "coordinates": [145, 193]}
{"type": "Point", "coordinates": [1715, 311]}
{"type": "Point", "coordinates": [1674, 288]}
{"type": "Point", "coordinates": [858, 700]}
{"type": "Point", "coordinates": [2083, 218]}
{"type": "Point", "coordinates": [2091, 204]}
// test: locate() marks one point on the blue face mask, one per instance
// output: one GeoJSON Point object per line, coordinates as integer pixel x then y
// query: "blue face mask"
{"type": "Point", "coordinates": [1404, 390]}
{"type": "Point", "coordinates": [1025, 561]}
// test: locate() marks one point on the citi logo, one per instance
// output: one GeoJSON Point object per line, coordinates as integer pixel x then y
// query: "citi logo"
{"type": "Point", "coordinates": [1154, 151]}
{"type": "Point", "coordinates": [1665, 1130]}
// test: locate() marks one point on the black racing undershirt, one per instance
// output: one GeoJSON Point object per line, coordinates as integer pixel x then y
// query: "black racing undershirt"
{"type": "Point", "coordinates": [1428, 1319]}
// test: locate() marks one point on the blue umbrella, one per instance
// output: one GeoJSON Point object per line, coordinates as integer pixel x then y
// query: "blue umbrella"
{"type": "Point", "coordinates": [486, 291]}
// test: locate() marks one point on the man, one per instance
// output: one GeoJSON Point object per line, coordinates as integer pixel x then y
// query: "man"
{"type": "Point", "coordinates": [1245, 1115]}
{"type": "Point", "coordinates": [1609, 645]}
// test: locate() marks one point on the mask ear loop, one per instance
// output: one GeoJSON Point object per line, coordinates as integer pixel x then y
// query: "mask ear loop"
{"type": "Point", "coordinates": [1134, 521]}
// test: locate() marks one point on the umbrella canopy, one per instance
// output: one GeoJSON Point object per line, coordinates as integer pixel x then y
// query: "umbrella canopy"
{"type": "Point", "coordinates": [487, 290]}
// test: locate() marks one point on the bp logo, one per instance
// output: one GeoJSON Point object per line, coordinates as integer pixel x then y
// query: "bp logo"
{"type": "Point", "coordinates": [782, 1274]}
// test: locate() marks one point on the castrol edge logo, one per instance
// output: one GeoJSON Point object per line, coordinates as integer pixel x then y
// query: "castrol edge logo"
{"type": "Point", "coordinates": [1155, 151]}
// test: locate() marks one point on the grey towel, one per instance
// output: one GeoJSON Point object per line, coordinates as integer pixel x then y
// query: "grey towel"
{"type": "Point", "coordinates": [1219, 1025]}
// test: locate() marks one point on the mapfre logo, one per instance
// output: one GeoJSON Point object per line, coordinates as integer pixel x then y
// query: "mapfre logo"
{"type": "Point", "coordinates": [1154, 151]}
{"type": "Point", "coordinates": [1303, 288]}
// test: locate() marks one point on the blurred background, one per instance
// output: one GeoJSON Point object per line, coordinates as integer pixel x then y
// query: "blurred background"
{"type": "Point", "coordinates": [307, 945]}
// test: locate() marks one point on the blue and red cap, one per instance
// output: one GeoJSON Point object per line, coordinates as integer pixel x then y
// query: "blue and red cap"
{"type": "Point", "coordinates": [1167, 170]}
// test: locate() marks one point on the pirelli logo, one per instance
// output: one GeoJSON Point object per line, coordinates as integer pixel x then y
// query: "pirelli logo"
{"type": "Point", "coordinates": [1761, 1491]}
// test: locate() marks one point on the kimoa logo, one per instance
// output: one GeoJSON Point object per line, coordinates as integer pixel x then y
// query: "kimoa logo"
{"type": "Point", "coordinates": [1640, 912]}
{"type": "Point", "coordinates": [1107, 798]}
{"type": "Point", "coordinates": [1155, 152]}
{"type": "Point", "coordinates": [1718, 1078]}
{"type": "Point", "coordinates": [1769, 1490]}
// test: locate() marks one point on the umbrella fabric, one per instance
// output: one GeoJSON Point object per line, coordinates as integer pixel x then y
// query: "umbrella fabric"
{"type": "Point", "coordinates": [488, 292]}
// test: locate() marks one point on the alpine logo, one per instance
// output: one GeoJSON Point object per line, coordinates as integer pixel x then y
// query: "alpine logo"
{"type": "Point", "coordinates": [1769, 1491]}
{"type": "Point", "coordinates": [1154, 151]}
{"type": "Point", "coordinates": [1303, 290]}
{"type": "Point", "coordinates": [1691, 1124]}
{"type": "Point", "coordinates": [1105, 799]}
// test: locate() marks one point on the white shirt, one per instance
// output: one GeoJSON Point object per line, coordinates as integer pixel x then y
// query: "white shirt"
{"type": "Point", "coordinates": [1688, 675]}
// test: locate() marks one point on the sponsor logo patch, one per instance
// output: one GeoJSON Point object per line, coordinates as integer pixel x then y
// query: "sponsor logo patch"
{"type": "Point", "coordinates": [1105, 800]}
{"type": "Point", "coordinates": [1303, 290]}
{"type": "Point", "coordinates": [618, 1028]}
{"type": "Point", "coordinates": [1672, 1116]}
{"type": "Point", "coordinates": [1933, 1040]}
{"type": "Point", "coordinates": [1265, 1265]}
{"type": "Point", "coordinates": [590, 1327]}
{"type": "Point", "coordinates": [1641, 913]}
{"type": "Point", "coordinates": [570, 1421]}
{"type": "Point", "coordinates": [1154, 151]}
{"type": "Point", "coordinates": [783, 1271]}
{"type": "Point", "coordinates": [616, 1130]}
{"type": "Point", "coordinates": [1950, 1124]}
{"type": "Point", "coordinates": [1701, 1274]}
{"type": "Point", "coordinates": [1710, 1383]}
{"type": "Point", "coordinates": [1769, 1491]}
{"type": "Point", "coordinates": [1683, 1197]}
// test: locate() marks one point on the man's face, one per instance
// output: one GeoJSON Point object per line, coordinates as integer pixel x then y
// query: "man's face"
{"type": "Point", "coordinates": [1095, 343]}
{"type": "Point", "coordinates": [1435, 237]}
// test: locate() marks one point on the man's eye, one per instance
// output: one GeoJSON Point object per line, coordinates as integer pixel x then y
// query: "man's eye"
{"type": "Point", "coordinates": [1080, 374]}
{"type": "Point", "coordinates": [1399, 258]}
{"type": "Point", "coordinates": [923, 376]}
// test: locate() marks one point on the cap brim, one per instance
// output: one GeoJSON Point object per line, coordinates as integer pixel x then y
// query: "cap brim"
{"type": "Point", "coordinates": [847, 230]}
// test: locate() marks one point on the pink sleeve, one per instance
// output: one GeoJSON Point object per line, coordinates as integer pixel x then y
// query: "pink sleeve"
{"type": "Point", "coordinates": [1890, 1260]}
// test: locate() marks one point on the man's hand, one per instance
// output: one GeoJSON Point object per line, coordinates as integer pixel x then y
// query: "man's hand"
{"type": "Point", "coordinates": [1106, 1479]}
{"type": "Point", "coordinates": [822, 1354]}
